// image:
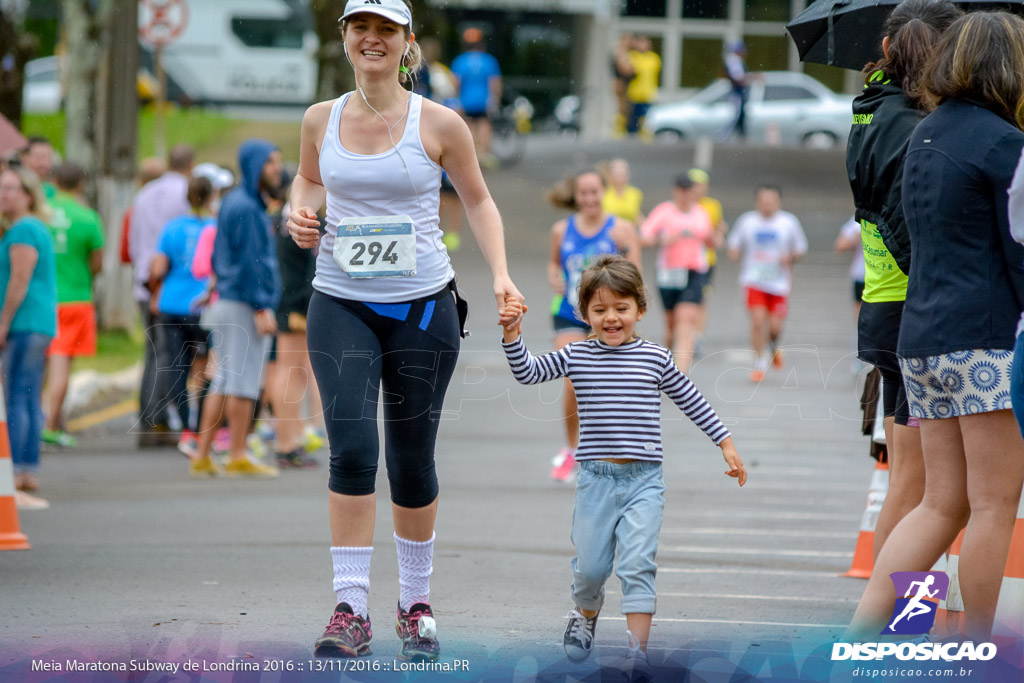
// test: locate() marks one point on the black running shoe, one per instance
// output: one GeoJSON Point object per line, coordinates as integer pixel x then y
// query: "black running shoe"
{"type": "Point", "coordinates": [348, 635]}
{"type": "Point", "coordinates": [418, 632]}
{"type": "Point", "coordinates": [578, 640]}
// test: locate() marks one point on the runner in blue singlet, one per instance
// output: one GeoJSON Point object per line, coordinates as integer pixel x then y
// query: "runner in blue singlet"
{"type": "Point", "coordinates": [575, 242]}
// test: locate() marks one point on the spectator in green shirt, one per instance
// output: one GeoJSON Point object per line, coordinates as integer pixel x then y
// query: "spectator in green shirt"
{"type": "Point", "coordinates": [78, 244]}
{"type": "Point", "coordinates": [38, 157]}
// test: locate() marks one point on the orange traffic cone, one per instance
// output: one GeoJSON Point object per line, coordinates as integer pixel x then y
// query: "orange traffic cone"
{"type": "Point", "coordinates": [11, 537]}
{"type": "Point", "coordinates": [863, 554]}
{"type": "Point", "coordinates": [1009, 619]}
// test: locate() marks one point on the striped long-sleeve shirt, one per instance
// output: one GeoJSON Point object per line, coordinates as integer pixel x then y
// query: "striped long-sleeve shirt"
{"type": "Point", "coordinates": [618, 393]}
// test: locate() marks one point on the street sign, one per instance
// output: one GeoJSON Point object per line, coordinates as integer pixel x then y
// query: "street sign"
{"type": "Point", "coordinates": [162, 21]}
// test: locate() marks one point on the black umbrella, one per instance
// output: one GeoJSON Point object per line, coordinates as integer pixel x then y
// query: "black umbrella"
{"type": "Point", "coordinates": [848, 33]}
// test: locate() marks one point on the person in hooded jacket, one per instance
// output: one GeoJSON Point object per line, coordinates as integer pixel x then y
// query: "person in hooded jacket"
{"type": "Point", "coordinates": [243, 319]}
{"type": "Point", "coordinates": [884, 116]}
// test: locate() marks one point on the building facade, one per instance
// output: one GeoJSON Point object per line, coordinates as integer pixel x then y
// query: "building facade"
{"type": "Point", "coordinates": [690, 35]}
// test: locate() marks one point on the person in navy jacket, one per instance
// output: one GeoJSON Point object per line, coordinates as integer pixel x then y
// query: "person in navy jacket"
{"type": "Point", "coordinates": [965, 292]}
{"type": "Point", "coordinates": [243, 321]}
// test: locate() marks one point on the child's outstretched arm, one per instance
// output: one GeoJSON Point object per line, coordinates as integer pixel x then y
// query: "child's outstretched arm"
{"type": "Point", "coordinates": [732, 458]}
{"type": "Point", "coordinates": [689, 399]}
{"type": "Point", "coordinates": [526, 368]}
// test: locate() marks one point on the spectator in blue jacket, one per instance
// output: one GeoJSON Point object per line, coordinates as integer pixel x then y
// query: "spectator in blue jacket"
{"type": "Point", "coordinates": [243, 321]}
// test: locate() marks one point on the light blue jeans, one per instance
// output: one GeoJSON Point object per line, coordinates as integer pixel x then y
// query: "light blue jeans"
{"type": "Point", "coordinates": [23, 361]}
{"type": "Point", "coordinates": [617, 506]}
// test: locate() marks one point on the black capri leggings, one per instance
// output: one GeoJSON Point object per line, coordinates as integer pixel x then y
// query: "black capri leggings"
{"type": "Point", "coordinates": [409, 351]}
{"type": "Point", "coordinates": [878, 331]}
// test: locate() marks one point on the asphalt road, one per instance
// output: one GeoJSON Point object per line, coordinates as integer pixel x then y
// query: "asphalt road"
{"type": "Point", "coordinates": [135, 560]}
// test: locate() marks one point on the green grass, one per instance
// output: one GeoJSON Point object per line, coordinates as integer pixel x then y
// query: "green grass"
{"type": "Point", "coordinates": [195, 126]}
{"type": "Point", "coordinates": [115, 350]}
{"type": "Point", "coordinates": [214, 136]}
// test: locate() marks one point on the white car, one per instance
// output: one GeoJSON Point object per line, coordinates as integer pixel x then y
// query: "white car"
{"type": "Point", "coordinates": [783, 108]}
{"type": "Point", "coordinates": [42, 93]}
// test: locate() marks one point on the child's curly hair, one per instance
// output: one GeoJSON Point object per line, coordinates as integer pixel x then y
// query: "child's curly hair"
{"type": "Point", "coordinates": [616, 273]}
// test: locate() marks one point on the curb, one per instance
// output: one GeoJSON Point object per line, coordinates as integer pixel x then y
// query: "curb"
{"type": "Point", "coordinates": [89, 388]}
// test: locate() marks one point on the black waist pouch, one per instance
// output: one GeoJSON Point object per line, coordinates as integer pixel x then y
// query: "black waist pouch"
{"type": "Point", "coordinates": [461, 307]}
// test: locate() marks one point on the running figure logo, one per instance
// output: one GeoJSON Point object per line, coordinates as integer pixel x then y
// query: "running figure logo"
{"type": "Point", "coordinates": [914, 613]}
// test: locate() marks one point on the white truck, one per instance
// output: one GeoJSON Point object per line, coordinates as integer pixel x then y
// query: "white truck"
{"type": "Point", "coordinates": [241, 52]}
{"type": "Point", "coordinates": [230, 52]}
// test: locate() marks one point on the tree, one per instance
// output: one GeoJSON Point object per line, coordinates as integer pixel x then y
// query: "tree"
{"type": "Point", "coordinates": [101, 108]}
{"type": "Point", "coordinates": [334, 75]}
{"type": "Point", "coordinates": [16, 48]}
{"type": "Point", "coordinates": [84, 23]}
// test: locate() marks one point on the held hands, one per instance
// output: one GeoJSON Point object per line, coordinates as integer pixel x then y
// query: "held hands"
{"type": "Point", "coordinates": [732, 458]}
{"type": "Point", "coordinates": [303, 227]}
{"type": "Point", "coordinates": [504, 291]}
{"type": "Point", "coordinates": [510, 316]}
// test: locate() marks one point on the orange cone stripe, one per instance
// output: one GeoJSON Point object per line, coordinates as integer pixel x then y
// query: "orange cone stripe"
{"type": "Point", "coordinates": [863, 554]}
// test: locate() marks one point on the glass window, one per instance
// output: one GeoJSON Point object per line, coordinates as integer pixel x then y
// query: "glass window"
{"type": "Point", "coordinates": [716, 93]}
{"type": "Point", "coordinates": [644, 8]}
{"type": "Point", "coordinates": [538, 50]}
{"type": "Point", "coordinates": [705, 9]}
{"type": "Point", "coordinates": [272, 33]}
{"type": "Point", "coordinates": [766, 10]}
{"type": "Point", "coordinates": [702, 62]}
{"type": "Point", "coordinates": [767, 53]}
{"type": "Point", "coordinates": [776, 93]}
{"type": "Point", "coordinates": [48, 73]}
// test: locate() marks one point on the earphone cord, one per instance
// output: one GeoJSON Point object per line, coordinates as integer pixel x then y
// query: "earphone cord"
{"type": "Point", "coordinates": [408, 173]}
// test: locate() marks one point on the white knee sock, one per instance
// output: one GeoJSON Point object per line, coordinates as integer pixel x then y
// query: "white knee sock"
{"type": "Point", "coordinates": [352, 576]}
{"type": "Point", "coordinates": [415, 564]}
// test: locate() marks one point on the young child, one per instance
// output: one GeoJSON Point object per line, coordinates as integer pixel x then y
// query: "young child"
{"type": "Point", "coordinates": [620, 493]}
{"type": "Point", "coordinates": [771, 241]}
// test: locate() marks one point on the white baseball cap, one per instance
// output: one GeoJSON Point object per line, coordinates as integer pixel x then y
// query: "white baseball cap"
{"type": "Point", "coordinates": [220, 178]}
{"type": "Point", "coordinates": [395, 10]}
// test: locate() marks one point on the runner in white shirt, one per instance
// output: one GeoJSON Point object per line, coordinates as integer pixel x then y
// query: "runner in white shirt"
{"type": "Point", "coordinates": [849, 240]}
{"type": "Point", "coordinates": [770, 240]}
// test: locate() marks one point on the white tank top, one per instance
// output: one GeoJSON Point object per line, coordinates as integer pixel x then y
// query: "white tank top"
{"type": "Point", "coordinates": [360, 185]}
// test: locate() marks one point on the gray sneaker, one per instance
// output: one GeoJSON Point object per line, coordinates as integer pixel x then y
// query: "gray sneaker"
{"type": "Point", "coordinates": [578, 640]}
{"type": "Point", "coordinates": [636, 667]}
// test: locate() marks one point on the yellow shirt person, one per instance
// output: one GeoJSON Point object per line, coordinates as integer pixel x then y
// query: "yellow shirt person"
{"type": "Point", "coordinates": [647, 67]}
{"type": "Point", "coordinates": [643, 89]}
{"type": "Point", "coordinates": [625, 204]}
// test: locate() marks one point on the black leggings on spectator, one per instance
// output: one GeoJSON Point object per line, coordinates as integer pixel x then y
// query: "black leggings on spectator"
{"type": "Point", "coordinates": [400, 354]}
{"type": "Point", "coordinates": [179, 340]}
{"type": "Point", "coordinates": [878, 331]}
{"type": "Point", "coordinates": [894, 396]}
